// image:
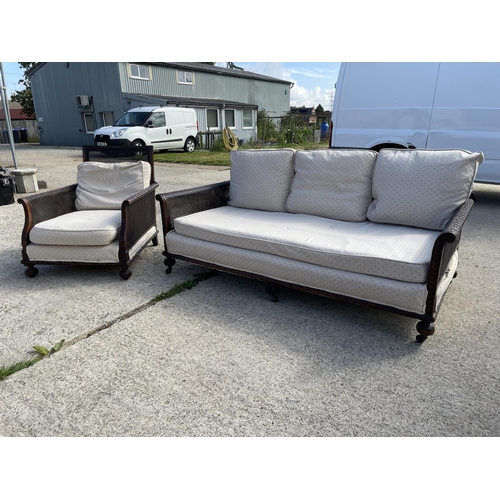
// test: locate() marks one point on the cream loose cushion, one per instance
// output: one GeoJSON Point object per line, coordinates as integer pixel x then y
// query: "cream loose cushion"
{"type": "Point", "coordinates": [104, 186]}
{"type": "Point", "coordinates": [421, 188]}
{"type": "Point", "coordinates": [332, 183]}
{"type": "Point", "coordinates": [80, 228]}
{"type": "Point", "coordinates": [261, 179]}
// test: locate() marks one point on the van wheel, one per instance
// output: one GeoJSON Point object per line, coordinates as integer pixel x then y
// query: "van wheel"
{"type": "Point", "coordinates": [137, 144]}
{"type": "Point", "coordinates": [190, 145]}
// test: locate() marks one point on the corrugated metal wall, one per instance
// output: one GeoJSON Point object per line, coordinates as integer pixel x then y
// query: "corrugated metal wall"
{"type": "Point", "coordinates": [55, 87]}
{"type": "Point", "coordinates": [274, 97]}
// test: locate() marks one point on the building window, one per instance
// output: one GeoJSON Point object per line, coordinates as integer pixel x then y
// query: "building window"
{"type": "Point", "coordinates": [140, 71]}
{"type": "Point", "coordinates": [229, 117]}
{"type": "Point", "coordinates": [185, 77]}
{"type": "Point", "coordinates": [107, 118]}
{"type": "Point", "coordinates": [247, 118]}
{"type": "Point", "coordinates": [88, 119]}
{"type": "Point", "coordinates": [213, 118]}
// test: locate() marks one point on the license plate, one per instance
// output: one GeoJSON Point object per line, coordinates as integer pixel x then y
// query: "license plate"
{"type": "Point", "coordinates": [102, 143]}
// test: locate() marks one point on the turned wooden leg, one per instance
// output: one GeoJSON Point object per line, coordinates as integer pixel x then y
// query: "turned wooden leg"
{"type": "Point", "coordinates": [31, 271]}
{"type": "Point", "coordinates": [125, 273]}
{"type": "Point", "coordinates": [272, 290]}
{"type": "Point", "coordinates": [424, 328]}
{"type": "Point", "coordinates": [169, 262]}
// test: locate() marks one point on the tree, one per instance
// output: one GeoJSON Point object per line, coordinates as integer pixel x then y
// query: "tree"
{"type": "Point", "coordinates": [25, 97]}
{"type": "Point", "coordinates": [319, 109]}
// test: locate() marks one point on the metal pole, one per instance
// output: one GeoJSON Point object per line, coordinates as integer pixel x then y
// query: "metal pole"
{"type": "Point", "coordinates": [3, 89]}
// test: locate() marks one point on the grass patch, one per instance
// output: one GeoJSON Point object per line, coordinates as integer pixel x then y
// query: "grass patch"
{"type": "Point", "coordinates": [197, 157]}
{"type": "Point", "coordinates": [42, 352]}
{"type": "Point", "coordinates": [181, 287]}
{"type": "Point", "coordinates": [6, 371]}
{"type": "Point", "coordinates": [223, 158]}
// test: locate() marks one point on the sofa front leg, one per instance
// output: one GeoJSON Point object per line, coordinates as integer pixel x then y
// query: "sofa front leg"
{"type": "Point", "coordinates": [30, 270]}
{"type": "Point", "coordinates": [169, 262]}
{"type": "Point", "coordinates": [425, 329]}
{"type": "Point", "coordinates": [125, 273]}
{"type": "Point", "coordinates": [272, 289]}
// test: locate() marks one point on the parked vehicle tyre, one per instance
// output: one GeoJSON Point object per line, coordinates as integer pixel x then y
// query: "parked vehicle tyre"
{"type": "Point", "coordinates": [137, 144]}
{"type": "Point", "coordinates": [190, 145]}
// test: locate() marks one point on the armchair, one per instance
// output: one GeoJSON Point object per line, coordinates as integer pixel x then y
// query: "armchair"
{"type": "Point", "coordinates": [107, 218]}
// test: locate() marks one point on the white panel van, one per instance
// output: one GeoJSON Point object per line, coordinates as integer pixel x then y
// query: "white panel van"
{"type": "Point", "coordinates": [420, 105]}
{"type": "Point", "coordinates": [157, 126]}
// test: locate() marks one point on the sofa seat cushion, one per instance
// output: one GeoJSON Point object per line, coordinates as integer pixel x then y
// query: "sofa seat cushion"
{"type": "Point", "coordinates": [261, 178]}
{"type": "Point", "coordinates": [389, 251]}
{"type": "Point", "coordinates": [80, 228]}
{"type": "Point", "coordinates": [332, 183]}
{"type": "Point", "coordinates": [104, 186]}
{"type": "Point", "coordinates": [421, 188]}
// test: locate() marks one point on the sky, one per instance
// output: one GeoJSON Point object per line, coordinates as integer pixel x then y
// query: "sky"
{"type": "Point", "coordinates": [314, 82]}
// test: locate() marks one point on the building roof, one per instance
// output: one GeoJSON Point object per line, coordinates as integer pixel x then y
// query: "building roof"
{"type": "Point", "coordinates": [208, 68]}
{"type": "Point", "coordinates": [16, 113]}
{"type": "Point", "coordinates": [205, 68]}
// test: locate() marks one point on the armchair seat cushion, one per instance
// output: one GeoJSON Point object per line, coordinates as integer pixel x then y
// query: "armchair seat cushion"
{"type": "Point", "coordinates": [80, 228]}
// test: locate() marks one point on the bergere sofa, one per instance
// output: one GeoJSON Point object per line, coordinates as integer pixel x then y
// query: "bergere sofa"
{"type": "Point", "coordinates": [377, 229]}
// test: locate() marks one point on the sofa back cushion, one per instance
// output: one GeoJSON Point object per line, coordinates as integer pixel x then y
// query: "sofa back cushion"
{"type": "Point", "coordinates": [421, 188]}
{"type": "Point", "coordinates": [261, 179]}
{"type": "Point", "coordinates": [104, 186]}
{"type": "Point", "coordinates": [332, 183]}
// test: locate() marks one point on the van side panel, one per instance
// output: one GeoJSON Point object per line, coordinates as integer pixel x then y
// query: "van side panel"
{"type": "Point", "coordinates": [378, 103]}
{"type": "Point", "coordinates": [466, 113]}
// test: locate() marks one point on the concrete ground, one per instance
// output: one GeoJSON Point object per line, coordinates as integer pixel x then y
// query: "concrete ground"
{"type": "Point", "coordinates": [222, 359]}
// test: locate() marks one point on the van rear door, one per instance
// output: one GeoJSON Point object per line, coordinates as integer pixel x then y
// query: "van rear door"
{"type": "Point", "coordinates": [379, 103]}
{"type": "Point", "coordinates": [466, 113]}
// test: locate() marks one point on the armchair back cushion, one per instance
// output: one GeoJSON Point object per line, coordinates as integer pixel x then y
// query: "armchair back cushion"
{"type": "Point", "coordinates": [421, 188]}
{"type": "Point", "coordinates": [104, 186]}
{"type": "Point", "coordinates": [332, 183]}
{"type": "Point", "coordinates": [261, 179]}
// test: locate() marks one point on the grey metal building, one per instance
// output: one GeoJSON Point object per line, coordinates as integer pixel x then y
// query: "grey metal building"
{"type": "Point", "coordinates": [73, 99]}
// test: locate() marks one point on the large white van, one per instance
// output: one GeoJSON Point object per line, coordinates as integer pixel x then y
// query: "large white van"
{"type": "Point", "coordinates": [420, 105]}
{"type": "Point", "coordinates": [157, 126]}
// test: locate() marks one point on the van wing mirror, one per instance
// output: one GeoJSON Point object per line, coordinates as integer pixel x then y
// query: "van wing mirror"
{"type": "Point", "coordinates": [150, 123]}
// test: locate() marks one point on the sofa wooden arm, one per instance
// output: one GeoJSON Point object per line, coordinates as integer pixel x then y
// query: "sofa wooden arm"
{"type": "Point", "coordinates": [44, 206]}
{"type": "Point", "coordinates": [444, 248]}
{"type": "Point", "coordinates": [189, 201]}
{"type": "Point", "coordinates": [138, 216]}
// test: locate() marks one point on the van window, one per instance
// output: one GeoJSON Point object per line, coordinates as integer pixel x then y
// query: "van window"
{"type": "Point", "coordinates": [132, 119]}
{"type": "Point", "coordinates": [158, 120]}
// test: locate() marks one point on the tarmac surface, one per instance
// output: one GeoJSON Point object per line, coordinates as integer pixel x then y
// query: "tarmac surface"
{"type": "Point", "coordinates": [221, 359]}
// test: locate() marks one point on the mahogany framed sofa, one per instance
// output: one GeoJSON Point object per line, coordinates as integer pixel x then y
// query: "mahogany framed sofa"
{"type": "Point", "coordinates": [377, 229]}
{"type": "Point", "coordinates": [106, 219]}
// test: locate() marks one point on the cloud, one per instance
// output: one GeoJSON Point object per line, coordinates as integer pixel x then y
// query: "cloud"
{"type": "Point", "coordinates": [300, 94]}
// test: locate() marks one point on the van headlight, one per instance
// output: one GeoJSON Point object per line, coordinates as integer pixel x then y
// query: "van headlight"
{"type": "Point", "coordinates": [119, 133]}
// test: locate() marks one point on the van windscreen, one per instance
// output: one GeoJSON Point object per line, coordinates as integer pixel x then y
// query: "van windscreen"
{"type": "Point", "coordinates": [135, 119]}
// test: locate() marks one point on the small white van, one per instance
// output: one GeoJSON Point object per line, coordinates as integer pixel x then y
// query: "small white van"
{"type": "Point", "coordinates": [420, 105]}
{"type": "Point", "coordinates": [157, 126]}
